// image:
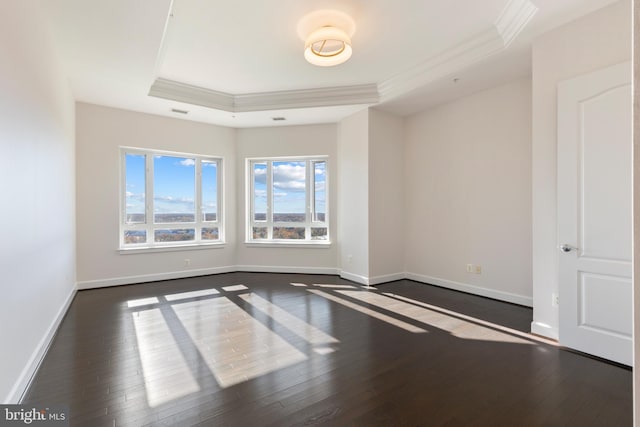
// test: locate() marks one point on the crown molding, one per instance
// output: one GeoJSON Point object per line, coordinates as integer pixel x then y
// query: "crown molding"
{"type": "Point", "coordinates": [265, 101]}
{"type": "Point", "coordinates": [514, 18]}
{"type": "Point", "coordinates": [182, 92]}
{"type": "Point", "coordinates": [443, 64]}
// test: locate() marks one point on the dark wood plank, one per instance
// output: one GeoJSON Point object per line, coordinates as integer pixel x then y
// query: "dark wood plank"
{"type": "Point", "coordinates": [451, 370]}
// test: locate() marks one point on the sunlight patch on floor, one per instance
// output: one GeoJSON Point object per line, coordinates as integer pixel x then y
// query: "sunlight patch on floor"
{"type": "Point", "coordinates": [235, 346]}
{"type": "Point", "coordinates": [304, 330]}
{"type": "Point", "coordinates": [475, 320]}
{"type": "Point", "coordinates": [392, 321]}
{"type": "Point", "coordinates": [192, 294]}
{"type": "Point", "coordinates": [142, 301]}
{"type": "Point", "coordinates": [335, 286]}
{"type": "Point", "coordinates": [234, 288]}
{"type": "Point", "coordinates": [456, 326]}
{"type": "Point", "coordinates": [166, 373]}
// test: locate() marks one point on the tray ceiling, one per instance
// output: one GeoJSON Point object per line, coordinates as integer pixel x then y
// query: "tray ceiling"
{"type": "Point", "coordinates": [240, 63]}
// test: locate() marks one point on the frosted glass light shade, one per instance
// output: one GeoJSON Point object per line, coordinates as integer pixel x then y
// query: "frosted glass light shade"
{"type": "Point", "coordinates": [327, 46]}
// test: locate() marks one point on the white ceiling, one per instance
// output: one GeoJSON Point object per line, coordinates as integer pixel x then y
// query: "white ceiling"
{"type": "Point", "coordinates": [240, 63]}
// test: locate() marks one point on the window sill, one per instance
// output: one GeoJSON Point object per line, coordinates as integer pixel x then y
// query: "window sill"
{"type": "Point", "coordinates": [321, 244]}
{"type": "Point", "coordinates": [174, 248]}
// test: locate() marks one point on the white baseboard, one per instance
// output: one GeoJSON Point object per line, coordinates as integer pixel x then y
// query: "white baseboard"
{"type": "Point", "coordinates": [355, 277]}
{"type": "Point", "coordinates": [544, 330]}
{"type": "Point", "coordinates": [142, 278]}
{"type": "Point", "coordinates": [20, 387]}
{"type": "Point", "coordinates": [283, 269]}
{"type": "Point", "coordinates": [376, 280]}
{"type": "Point", "coordinates": [472, 289]}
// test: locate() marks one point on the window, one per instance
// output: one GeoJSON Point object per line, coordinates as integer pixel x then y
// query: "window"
{"type": "Point", "coordinates": [169, 199]}
{"type": "Point", "coordinates": [288, 200]}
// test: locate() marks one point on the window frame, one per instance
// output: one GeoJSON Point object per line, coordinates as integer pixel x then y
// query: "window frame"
{"type": "Point", "coordinates": [310, 200]}
{"type": "Point", "coordinates": [150, 226]}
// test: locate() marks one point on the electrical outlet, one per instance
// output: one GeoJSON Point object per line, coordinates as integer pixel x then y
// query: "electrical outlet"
{"type": "Point", "coordinates": [469, 268]}
{"type": "Point", "coordinates": [349, 258]}
{"type": "Point", "coordinates": [187, 262]}
{"type": "Point", "coordinates": [555, 300]}
{"type": "Point", "coordinates": [478, 269]}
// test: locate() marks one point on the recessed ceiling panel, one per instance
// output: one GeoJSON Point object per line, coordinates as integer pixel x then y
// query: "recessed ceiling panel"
{"type": "Point", "coordinates": [253, 46]}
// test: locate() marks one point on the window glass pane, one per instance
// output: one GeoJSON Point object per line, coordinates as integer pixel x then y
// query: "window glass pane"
{"type": "Point", "coordinates": [319, 233]}
{"type": "Point", "coordinates": [135, 169]}
{"type": "Point", "coordinates": [176, 235]}
{"type": "Point", "coordinates": [289, 192]}
{"type": "Point", "coordinates": [174, 189]}
{"type": "Point", "coordinates": [288, 233]}
{"type": "Point", "coordinates": [135, 236]}
{"type": "Point", "coordinates": [260, 232]}
{"type": "Point", "coordinates": [320, 192]}
{"type": "Point", "coordinates": [209, 233]}
{"type": "Point", "coordinates": [260, 192]}
{"type": "Point", "coordinates": [209, 190]}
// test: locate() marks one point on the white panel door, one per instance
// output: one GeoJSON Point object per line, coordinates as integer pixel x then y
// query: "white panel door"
{"type": "Point", "coordinates": [595, 213]}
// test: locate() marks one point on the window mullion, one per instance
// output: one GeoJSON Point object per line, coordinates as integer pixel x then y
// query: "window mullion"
{"type": "Point", "coordinates": [309, 184]}
{"type": "Point", "coordinates": [198, 208]}
{"type": "Point", "coordinates": [149, 198]}
{"type": "Point", "coordinates": [269, 200]}
{"type": "Point", "coordinates": [219, 196]}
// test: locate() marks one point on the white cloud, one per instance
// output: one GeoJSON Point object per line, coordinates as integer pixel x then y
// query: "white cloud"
{"type": "Point", "coordinates": [260, 176]}
{"type": "Point", "coordinates": [187, 162]}
{"type": "Point", "coordinates": [135, 197]}
{"type": "Point", "coordinates": [289, 176]}
{"type": "Point", "coordinates": [171, 199]}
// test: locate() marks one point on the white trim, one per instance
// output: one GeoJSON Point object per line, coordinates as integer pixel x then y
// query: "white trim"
{"type": "Point", "coordinates": [305, 98]}
{"type": "Point", "coordinates": [174, 248]}
{"type": "Point", "coordinates": [283, 269]}
{"type": "Point", "coordinates": [472, 289]}
{"type": "Point", "coordinates": [302, 244]}
{"type": "Point", "coordinates": [24, 380]}
{"type": "Point", "coordinates": [514, 17]}
{"type": "Point", "coordinates": [363, 280]}
{"type": "Point", "coordinates": [142, 278]}
{"type": "Point", "coordinates": [386, 278]}
{"type": "Point", "coordinates": [544, 330]}
{"type": "Point", "coordinates": [444, 64]}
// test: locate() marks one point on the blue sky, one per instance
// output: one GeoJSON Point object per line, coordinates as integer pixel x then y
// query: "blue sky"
{"type": "Point", "coordinates": [174, 184]}
{"type": "Point", "coordinates": [175, 191]}
{"type": "Point", "coordinates": [288, 187]}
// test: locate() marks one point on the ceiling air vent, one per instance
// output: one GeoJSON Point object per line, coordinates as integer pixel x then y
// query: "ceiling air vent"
{"type": "Point", "coordinates": [176, 110]}
{"type": "Point", "coordinates": [278, 119]}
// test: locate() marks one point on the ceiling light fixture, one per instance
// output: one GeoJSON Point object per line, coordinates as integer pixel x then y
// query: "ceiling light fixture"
{"type": "Point", "coordinates": [327, 37]}
{"type": "Point", "coordinates": [327, 46]}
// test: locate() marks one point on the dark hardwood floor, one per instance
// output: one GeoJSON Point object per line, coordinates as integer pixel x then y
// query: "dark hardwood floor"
{"type": "Point", "coordinates": [286, 349]}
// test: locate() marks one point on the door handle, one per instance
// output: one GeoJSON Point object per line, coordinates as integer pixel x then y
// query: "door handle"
{"type": "Point", "coordinates": [567, 248]}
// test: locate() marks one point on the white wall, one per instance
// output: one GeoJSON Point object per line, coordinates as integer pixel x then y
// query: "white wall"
{"type": "Point", "coordinates": [468, 186]}
{"type": "Point", "coordinates": [290, 141]}
{"type": "Point", "coordinates": [386, 197]}
{"type": "Point", "coordinates": [353, 197]}
{"type": "Point", "coordinates": [595, 41]}
{"type": "Point", "coordinates": [100, 133]}
{"type": "Point", "coordinates": [37, 251]}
